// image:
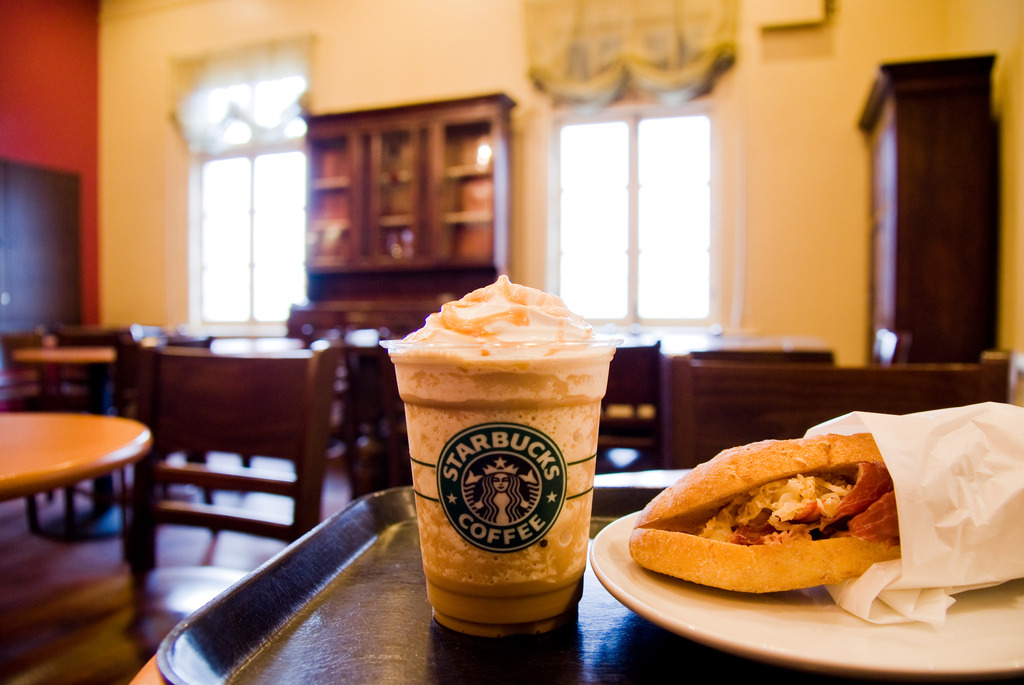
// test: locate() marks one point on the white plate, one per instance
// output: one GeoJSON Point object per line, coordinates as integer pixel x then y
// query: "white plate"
{"type": "Point", "coordinates": [983, 636]}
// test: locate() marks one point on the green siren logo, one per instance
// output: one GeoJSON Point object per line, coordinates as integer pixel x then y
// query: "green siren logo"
{"type": "Point", "coordinates": [501, 485]}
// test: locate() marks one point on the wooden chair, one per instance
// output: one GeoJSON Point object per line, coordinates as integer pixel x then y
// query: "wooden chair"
{"type": "Point", "coordinates": [373, 420]}
{"type": "Point", "coordinates": [20, 389]}
{"type": "Point", "coordinates": [267, 406]}
{"type": "Point", "coordinates": [716, 405]}
{"type": "Point", "coordinates": [129, 344]}
{"type": "Point", "coordinates": [77, 387]}
{"type": "Point", "coordinates": [629, 436]}
{"type": "Point", "coordinates": [74, 389]}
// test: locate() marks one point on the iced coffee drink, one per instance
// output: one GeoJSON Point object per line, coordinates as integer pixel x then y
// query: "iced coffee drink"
{"type": "Point", "coordinates": [502, 393]}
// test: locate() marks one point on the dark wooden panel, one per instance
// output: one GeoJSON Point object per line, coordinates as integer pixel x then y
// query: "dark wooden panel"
{"type": "Point", "coordinates": [714, 405]}
{"type": "Point", "coordinates": [39, 242]}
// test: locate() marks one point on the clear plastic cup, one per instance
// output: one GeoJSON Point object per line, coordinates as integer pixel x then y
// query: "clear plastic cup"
{"type": "Point", "coordinates": [503, 439]}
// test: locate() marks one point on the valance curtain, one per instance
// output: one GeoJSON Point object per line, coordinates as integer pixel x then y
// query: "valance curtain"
{"type": "Point", "coordinates": [590, 52]}
{"type": "Point", "coordinates": [248, 94]}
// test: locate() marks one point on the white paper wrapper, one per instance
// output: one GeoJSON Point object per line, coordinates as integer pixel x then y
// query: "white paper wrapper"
{"type": "Point", "coordinates": [959, 480]}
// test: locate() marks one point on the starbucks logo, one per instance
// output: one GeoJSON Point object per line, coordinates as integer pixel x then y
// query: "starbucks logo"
{"type": "Point", "coordinates": [501, 485]}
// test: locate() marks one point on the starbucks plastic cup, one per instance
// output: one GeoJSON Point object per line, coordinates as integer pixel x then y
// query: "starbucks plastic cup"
{"type": "Point", "coordinates": [503, 439]}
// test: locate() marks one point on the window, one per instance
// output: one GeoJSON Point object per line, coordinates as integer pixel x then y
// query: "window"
{"type": "Point", "coordinates": [252, 236]}
{"type": "Point", "coordinates": [635, 234]}
{"type": "Point", "coordinates": [252, 198]}
{"type": "Point", "coordinates": [240, 112]}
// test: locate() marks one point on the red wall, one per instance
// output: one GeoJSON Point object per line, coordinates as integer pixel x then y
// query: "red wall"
{"type": "Point", "coordinates": [49, 105]}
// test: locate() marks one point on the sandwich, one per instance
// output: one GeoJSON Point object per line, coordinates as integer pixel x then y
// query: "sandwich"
{"type": "Point", "coordinates": [774, 515]}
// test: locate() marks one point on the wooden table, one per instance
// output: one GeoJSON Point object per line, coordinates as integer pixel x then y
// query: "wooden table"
{"type": "Point", "coordinates": [150, 673]}
{"type": "Point", "coordinates": [42, 451]}
{"type": "Point", "coordinates": [96, 358]}
{"type": "Point", "coordinates": [86, 354]}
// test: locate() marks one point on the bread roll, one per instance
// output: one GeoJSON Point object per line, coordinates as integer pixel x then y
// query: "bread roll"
{"type": "Point", "coordinates": [805, 484]}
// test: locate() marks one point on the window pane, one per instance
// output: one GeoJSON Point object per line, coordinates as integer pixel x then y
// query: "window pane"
{"type": "Point", "coordinates": [594, 220]}
{"type": "Point", "coordinates": [675, 150]}
{"type": "Point", "coordinates": [279, 238]}
{"type": "Point", "coordinates": [279, 234]}
{"type": "Point", "coordinates": [595, 155]}
{"type": "Point", "coordinates": [277, 287]}
{"type": "Point", "coordinates": [280, 183]}
{"type": "Point", "coordinates": [226, 241]}
{"type": "Point", "coordinates": [594, 285]}
{"type": "Point", "coordinates": [225, 230]}
{"type": "Point", "coordinates": [674, 286]}
{"type": "Point", "coordinates": [226, 185]}
{"type": "Point", "coordinates": [675, 220]}
{"type": "Point", "coordinates": [225, 294]}
{"type": "Point", "coordinates": [673, 280]}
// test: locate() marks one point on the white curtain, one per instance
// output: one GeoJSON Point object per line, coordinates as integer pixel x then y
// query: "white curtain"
{"type": "Point", "coordinates": [253, 93]}
{"type": "Point", "coordinates": [591, 52]}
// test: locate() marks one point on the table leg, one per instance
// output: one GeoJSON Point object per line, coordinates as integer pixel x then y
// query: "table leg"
{"type": "Point", "coordinates": [100, 396]}
{"type": "Point", "coordinates": [102, 520]}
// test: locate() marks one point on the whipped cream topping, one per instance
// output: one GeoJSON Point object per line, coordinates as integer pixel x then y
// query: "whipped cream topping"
{"type": "Point", "coordinates": [503, 313]}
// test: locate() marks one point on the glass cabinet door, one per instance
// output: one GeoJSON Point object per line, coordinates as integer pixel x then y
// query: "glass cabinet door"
{"type": "Point", "coordinates": [333, 237]}
{"type": "Point", "coordinates": [397, 197]}
{"type": "Point", "coordinates": [467, 231]}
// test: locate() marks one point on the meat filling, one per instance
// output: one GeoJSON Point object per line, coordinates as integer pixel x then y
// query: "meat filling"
{"type": "Point", "coordinates": [812, 507]}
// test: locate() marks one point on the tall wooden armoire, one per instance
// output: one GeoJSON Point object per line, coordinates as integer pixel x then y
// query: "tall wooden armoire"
{"type": "Point", "coordinates": [934, 206]}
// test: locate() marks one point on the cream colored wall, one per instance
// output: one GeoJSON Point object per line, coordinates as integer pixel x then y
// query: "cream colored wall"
{"type": "Point", "coordinates": [806, 167]}
{"type": "Point", "coordinates": [794, 165]}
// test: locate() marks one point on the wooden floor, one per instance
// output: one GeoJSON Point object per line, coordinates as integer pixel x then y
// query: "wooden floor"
{"type": "Point", "coordinates": [72, 613]}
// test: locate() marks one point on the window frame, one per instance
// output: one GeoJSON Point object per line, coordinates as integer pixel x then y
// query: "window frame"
{"type": "Point", "coordinates": [632, 113]}
{"type": "Point", "coordinates": [250, 151]}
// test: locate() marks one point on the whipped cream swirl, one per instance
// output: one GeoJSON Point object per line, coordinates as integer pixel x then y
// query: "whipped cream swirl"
{"type": "Point", "coordinates": [503, 313]}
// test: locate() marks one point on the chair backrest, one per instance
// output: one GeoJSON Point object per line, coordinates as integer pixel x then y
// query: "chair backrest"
{"type": "Point", "coordinates": [633, 375]}
{"type": "Point", "coordinates": [19, 383]}
{"type": "Point", "coordinates": [126, 367]}
{"type": "Point", "coordinates": [765, 355]}
{"type": "Point", "coordinates": [263, 405]}
{"type": "Point", "coordinates": [373, 422]}
{"type": "Point", "coordinates": [89, 336]}
{"type": "Point", "coordinates": [631, 405]}
{"type": "Point", "coordinates": [78, 385]}
{"type": "Point", "coordinates": [9, 342]}
{"type": "Point", "coordinates": [716, 405]}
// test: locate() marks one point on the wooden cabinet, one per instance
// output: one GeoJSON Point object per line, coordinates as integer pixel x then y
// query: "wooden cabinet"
{"type": "Point", "coordinates": [934, 207]}
{"type": "Point", "coordinates": [408, 207]}
{"type": "Point", "coordinates": [39, 247]}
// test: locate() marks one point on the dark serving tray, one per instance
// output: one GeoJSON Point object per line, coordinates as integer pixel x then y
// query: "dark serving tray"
{"type": "Point", "coordinates": [347, 604]}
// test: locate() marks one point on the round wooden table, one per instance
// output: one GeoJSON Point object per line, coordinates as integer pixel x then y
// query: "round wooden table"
{"type": "Point", "coordinates": [149, 675]}
{"type": "Point", "coordinates": [42, 451]}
